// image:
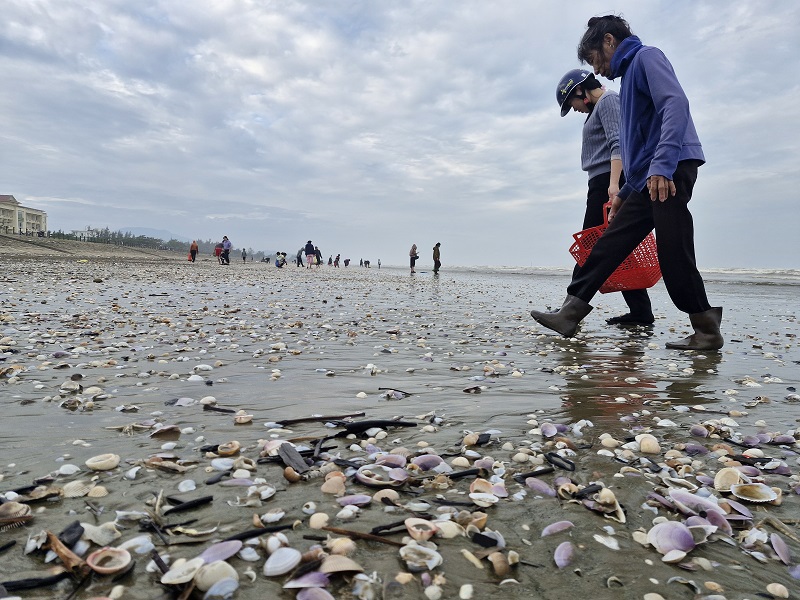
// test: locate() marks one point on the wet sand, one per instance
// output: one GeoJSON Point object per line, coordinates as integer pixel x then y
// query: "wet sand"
{"type": "Point", "coordinates": [291, 343]}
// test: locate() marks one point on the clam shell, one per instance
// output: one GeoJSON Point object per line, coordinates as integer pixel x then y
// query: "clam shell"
{"type": "Point", "coordinates": [725, 478]}
{"type": "Point", "coordinates": [557, 527]}
{"type": "Point", "coordinates": [282, 561]}
{"type": "Point", "coordinates": [420, 558]}
{"type": "Point", "coordinates": [343, 546]}
{"type": "Point", "coordinates": [107, 561]}
{"type": "Point", "coordinates": [484, 500]}
{"type": "Point", "coordinates": [228, 448]}
{"type": "Point", "coordinates": [318, 520]}
{"type": "Point", "coordinates": [670, 535]}
{"type": "Point", "coordinates": [355, 500]}
{"type": "Point", "coordinates": [336, 563]}
{"type": "Point", "coordinates": [221, 551]}
{"type": "Point", "coordinates": [314, 579]}
{"type": "Point", "coordinates": [213, 572]}
{"type": "Point", "coordinates": [103, 462]}
{"type": "Point", "coordinates": [77, 489]}
{"type": "Point", "coordinates": [182, 571]}
{"type": "Point", "coordinates": [224, 588]}
{"type": "Point", "coordinates": [754, 492]}
{"type": "Point", "coordinates": [420, 529]}
{"type": "Point", "coordinates": [426, 462]}
{"type": "Point", "coordinates": [564, 554]}
{"type": "Point", "coordinates": [102, 535]}
{"type": "Point", "coordinates": [314, 593]}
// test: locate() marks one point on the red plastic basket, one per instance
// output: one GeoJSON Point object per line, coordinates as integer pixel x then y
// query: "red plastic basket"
{"type": "Point", "coordinates": [640, 270]}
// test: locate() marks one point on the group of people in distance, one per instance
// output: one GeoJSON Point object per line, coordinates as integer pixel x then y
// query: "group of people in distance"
{"type": "Point", "coordinates": [641, 152]}
{"type": "Point", "coordinates": [414, 255]}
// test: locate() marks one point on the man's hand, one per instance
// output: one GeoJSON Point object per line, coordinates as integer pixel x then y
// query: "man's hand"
{"type": "Point", "coordinates": [660, 188]}
{"type": "Point", "coordinates": [616, 204]}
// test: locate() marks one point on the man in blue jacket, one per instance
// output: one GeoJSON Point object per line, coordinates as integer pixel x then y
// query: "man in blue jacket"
{"type": "Point", "coordinates": [661, 153]}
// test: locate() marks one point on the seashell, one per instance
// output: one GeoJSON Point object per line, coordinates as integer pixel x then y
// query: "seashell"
{"type": "Point", "coordinates": [725, 478]}
{"type": "Point", "coordinates": [564, 554]}
{"type": "Point", "coordinates": [213, 572]}
{"type": "Point", "coordinates": [355, 500]}
{"type": "Point", "coordinates": [103, 462]}
{"type": "Point", "coordinates": [540, 487]}
{"type": "Point", "coordinates": [314, 579]}
{"type": "Point", "coordinates": [420, 529]}
{"type": "Point", "coordinates": [242, 418]}
{"type": "Point", "coordinates": [249, 554]}
{"type": "Point", "coordinates": [341, 546]}
{"type": "Point", "coordinates": [689, 503]}
{"type": "Point", "coordinates": [699, 431]}
{"type": "Point", "coordinates": [420, 558]}
{"type": "Point", "coordinates": [108, 561]}
{"type": "Point", "coordinates": [102, 535]}
{"type": "Point", "coordinates": [781, 549]}
{"type": "Point", "coordinates": [480, 485]}
{"type": "Point", "coordinates": [223, 589]}
{"type": "Point", "coordinates": [275, 542]}
{"type": "Point", "coordinates": [182, 571]}
{"type": "Point", "coordinates": [334, 486]}
{"type": "Point", "coordinates": [309, 508]}
{"type": "Point", "coordinates": [648, 444]}
{"type": "Point", "coordinates": [778, 590]}
{"type": "Point", "coordinates": [97, 491]}
{"type": "Point", "coordinates": [557, 527]}
{"type": "Point", "coordinates": [272, 516]}
{"type": "Point", "coordinates": [386, 493]}
{"type": "Point", "coordinates": [229, 448]}
{"type": "Point", "coordinates": [339, 564]}
{"type": "Point", "coordinates": [318, 520]}
{"type": "Point", "coordinates": [221, 551]}
{"type": "Point", "coordinates": [754, 492]}
{"type": "Point", "coordinates": [548, 430]}
{"type": "Point", "coordinates": [68, 469]}
{"type": "Point", "coordinates": [281, 561]}
{"type": "Point", "coordinates": [427, 462]}
{"type": "Point", "coordinates": [449, 529]}
{"type": "Point", "coordinates": [391, 460]}
{"type": "Point", "coordinates": [348, 512]}
{"type": "Point", "coordinates": [141, 544]}
{"type": "Point", "coordinates": [187, 485]}
{"type": "Point", "coordinates": [244, 463]}
{"type": "Point", "coordinates": [314, 593]}
{"type": "Point", "coordinates": [290, 475]}
{"type": "Point", "coordinates": [670, 535]}
{"type": "Point", "coordinates": [499, 563]}
{"type": "Point", "coordinates": [76, 489]}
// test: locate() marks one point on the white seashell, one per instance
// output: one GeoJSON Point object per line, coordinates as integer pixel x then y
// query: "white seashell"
{"type": "Point", "coordinates": [648, 444]}
{"type": "Point", "coordinates": [725, 478]}
{"type": "Point", "coordinates": [97, 491]}
{"type": "Point", "coordinates": [76, 489]}
{"type": "Point", "coordinates": [132, 472]}
{"type": "Point", "coordinates": [103, 462]}
{"type": "Point", "coordinates": [102, 535]}
{"type": "Point", "coordinates": [754, 492]}
{"type": "Point", "coordinates": [213, 572]}
{"type": "Point", "coordinates": [281, 561]}
{"type": "Point", "coordinates": [420, 529]}
{"type": "Point", "coordinates": [141, 544]}
{"type": "Point", "coordinates": [249, 554]}
{"type": "Point", "coordinates": [68, 469]}
{"type": "Point", "coordinates": [483, 499]}
{"type": "Point", "coordinates": [182, 571]}
{"type": "Point", "coordinates": [420, 558]}
{"type": "Point", "coordinates": [309, 508]}
{"type": "Point", "coordinates": [273, 516]}
{"type": "Point", "coordinates": [187, 485]}
{"type": "Point", "coordinates": [107, 561]}
{"type": "Point", "coordinates": [318, 520]}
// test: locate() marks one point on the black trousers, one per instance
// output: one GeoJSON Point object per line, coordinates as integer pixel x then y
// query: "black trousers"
{"type": "Point", "coordinates": [638, 301]}
{"type": "Point", "coordinates": [674, 236]}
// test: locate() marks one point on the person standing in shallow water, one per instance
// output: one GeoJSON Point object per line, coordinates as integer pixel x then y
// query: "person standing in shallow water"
{"type": "Point", "coordinates": [661, 153]}
{"type": "Point", "coordinates": [413, 256]}
{"type": "Point", "coordinates": [193, 249]}
{"type": "Point", "coordinates": [578, 90]}
{"type": "Point", "coordinates": [436, 256]}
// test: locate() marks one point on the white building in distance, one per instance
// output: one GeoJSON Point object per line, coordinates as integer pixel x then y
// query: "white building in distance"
{"type": "Point", "coordinates": [15, 218]}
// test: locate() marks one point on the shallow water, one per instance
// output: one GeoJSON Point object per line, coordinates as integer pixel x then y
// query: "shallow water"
{"type": "Point", "coordinates": [129, 327]}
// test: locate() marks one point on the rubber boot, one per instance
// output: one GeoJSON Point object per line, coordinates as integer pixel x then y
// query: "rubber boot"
{"type": "Point", "coordinates": [706, 334]}
{"type": "Point", "coordinates": [639, 309]}
{"type": "Point", "coordinates": [567, 319]}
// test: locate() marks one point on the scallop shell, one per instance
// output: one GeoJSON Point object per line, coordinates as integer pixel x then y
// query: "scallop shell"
{"type": "Point", "coordinates": [98, 491]}
{"type": "Point", "coordinates": [282, 561]}
{"type": "Point", "coordinates": [108, 561]}
{"type": "Point", "coordinates": [77, 489]}
{"type": "Point", "coordinates": [754, 492]}
{"type": "Point", "coordinates": [182, 571]}
{"type": "Point", "coordinates": [103, 462]}
{"type": "Point", "coordinates": [341, 546]}
{"type": "Point", "coordinates": [336, 563]}
{"type": "Point", "coordinates": [213, 572]}
{"type": "Point", "coordinates": [725, 478]}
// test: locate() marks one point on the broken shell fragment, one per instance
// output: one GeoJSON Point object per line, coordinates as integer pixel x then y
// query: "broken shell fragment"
{"type": "Point", "coordinates": [182, 571]}
{"type": "Point", "coordinates": [107, 560]}
{"type": "Point", "coordinates": [420, 529]}
{"type": "Point", "coordinates": [213, 572]}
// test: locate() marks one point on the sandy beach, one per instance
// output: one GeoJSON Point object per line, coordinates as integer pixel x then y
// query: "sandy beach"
{"type": "Point", "coordinates": [133, 353]}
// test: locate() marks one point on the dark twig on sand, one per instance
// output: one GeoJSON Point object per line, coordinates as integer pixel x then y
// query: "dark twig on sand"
{"type": "Point", "coordinates": [285, 422]}
{"type": "Point", "coordinates": [359, 535]}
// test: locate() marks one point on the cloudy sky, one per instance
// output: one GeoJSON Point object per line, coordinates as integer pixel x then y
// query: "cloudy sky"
{"type": "Point", "coordinates": [369, 126]}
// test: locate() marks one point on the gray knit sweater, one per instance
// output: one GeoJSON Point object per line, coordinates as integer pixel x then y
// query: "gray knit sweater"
{"type": "Point", "coordinates": [601, 136]}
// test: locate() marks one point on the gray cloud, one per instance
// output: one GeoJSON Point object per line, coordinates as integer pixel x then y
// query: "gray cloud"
{"type": "Point", "coordinates": [369, 126]}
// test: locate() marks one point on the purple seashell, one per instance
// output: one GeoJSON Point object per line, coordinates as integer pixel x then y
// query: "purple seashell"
{"type": "Point", "coordinates": [557, 527]}
{"type": "Point", "coordinates": [764, 438]}
{"type": "Point", "coordinates": [500, 353]}
{"type": "Point", "coordinates": [564, 554]}
{"type": "Point", "coordinates": [627, 419]}
{"type": "Point", "coordinates": [748, 470]}
{"type": "Point", "coordinates": [354, 500]}
{"type": "Point", "coordinates": [695, 449]}
{"type": "Point", "coordinates": [692, 504]}
{"type": "Point", "coordinates": [780, 470]}
{"type": "Point", "coordinates": [314, 594]}
{"type": "Point", "coordinates": [783, 439]}
{"type": "Point", "coordinates": [751, 440]}
{"type": "Point", "coordinates": [781, 549]}
{"type": "Point", "coordinates": [372, 449]}
{"type": "Point", "coordinates": [705, 479]}
{"type": "Point", "coordinates": [720, 522]}
{"type": "Point", "coordinates": [236, 482]}
{"type": "Point", "coordinates": [737, 518]}
{"type": "Point", "coordinates": [548, 430]}
{"type": "Point", "coordinates": [314, 579]}
{"type": "Point", "coordinates": [662, 500]}
{"type": "Point", "coordinates": [391, 460]}
{"type": "Point", "coordinates": [670, 535]}
{"type": "Point", "coordinates": [698, 431]}
{"type": "Point", "coordinates": [483, 463]}
{"type": "Point", "coordinates": [539, 486]}
{"type": "Point", "coordinates": [398, 475]}
{"type": "Point", "coordinates": [561, 480]}
{"type": "Point", "coordinates": [426, 462]}
{"type": "Point", "coordinates": [224, 588]}
{"type": "Point", "coordinates": [795, 572]}
{"type": "Point", "coordinates": [426, 579]}
{"type": "Point", "coordinates": [374, 476]}
{"type": "Point", "coordinates": [740, 508]}
{"type": "Point", "coordinates": [221, 551]}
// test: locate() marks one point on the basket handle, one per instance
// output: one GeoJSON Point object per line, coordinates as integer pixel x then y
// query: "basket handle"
{"type": "Point", "coordinates": [606, 210]}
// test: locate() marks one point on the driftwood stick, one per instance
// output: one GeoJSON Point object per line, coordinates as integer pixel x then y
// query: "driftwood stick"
{"type": "Point", "coordinates": [323, 419]}
{"type": "Point", "coordinates": [359, 535]}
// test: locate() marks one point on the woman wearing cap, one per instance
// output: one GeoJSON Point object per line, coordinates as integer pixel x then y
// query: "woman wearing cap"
{"type": "Point", "coordinates": [661, 152]}
{"type": "Point", "coordinates": [578, 90]}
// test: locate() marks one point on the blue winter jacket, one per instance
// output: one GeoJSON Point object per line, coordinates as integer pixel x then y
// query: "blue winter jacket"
{"type": "Point", "coordinates": [656, 129]}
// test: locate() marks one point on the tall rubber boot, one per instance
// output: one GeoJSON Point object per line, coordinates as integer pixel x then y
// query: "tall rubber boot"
{"type": "Point", "coordinates": [567, 319]}
{"type": "Point", "coordinates": [706, 334]}
{"type": "Point", "coordinates": [640, 311]}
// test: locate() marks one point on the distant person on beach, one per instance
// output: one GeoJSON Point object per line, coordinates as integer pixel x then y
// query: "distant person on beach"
{"type": "Point", "coordinates": [193, 250]}
{"type": "Point", "coordinates": [280, 259]}
{"type": "Point", "coordinates": [311, 254]}
{"type": "Point", "coordinates": [661, 154]}
{"type": "Point", "coordinates": [336, 261]}
{"type": "Point", "coordinates": [226, 251]}
{"type": "Point", "coordinates": [379, 263]}
{"type": "Point", "coordinates": [413, 256]}
{"type": "Point", "coordinates": [299, 257]}
{"type": "Point", "coordinates": [436, 256]}
{"type": "Point", "coordinates": [330, 260]}
{"type": "Point", "coordinates": [346, 262]}
{"type": "Point", "coordinates": [317, 256]}
{"type": "Point", "coordinates": [244, 255]}
{"type": "Point", "coordinates": [360, 262]}
{"type": "Point", "coordinates": [578, 90]}
{"type": "Point", "coordinates": [218, 252]}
